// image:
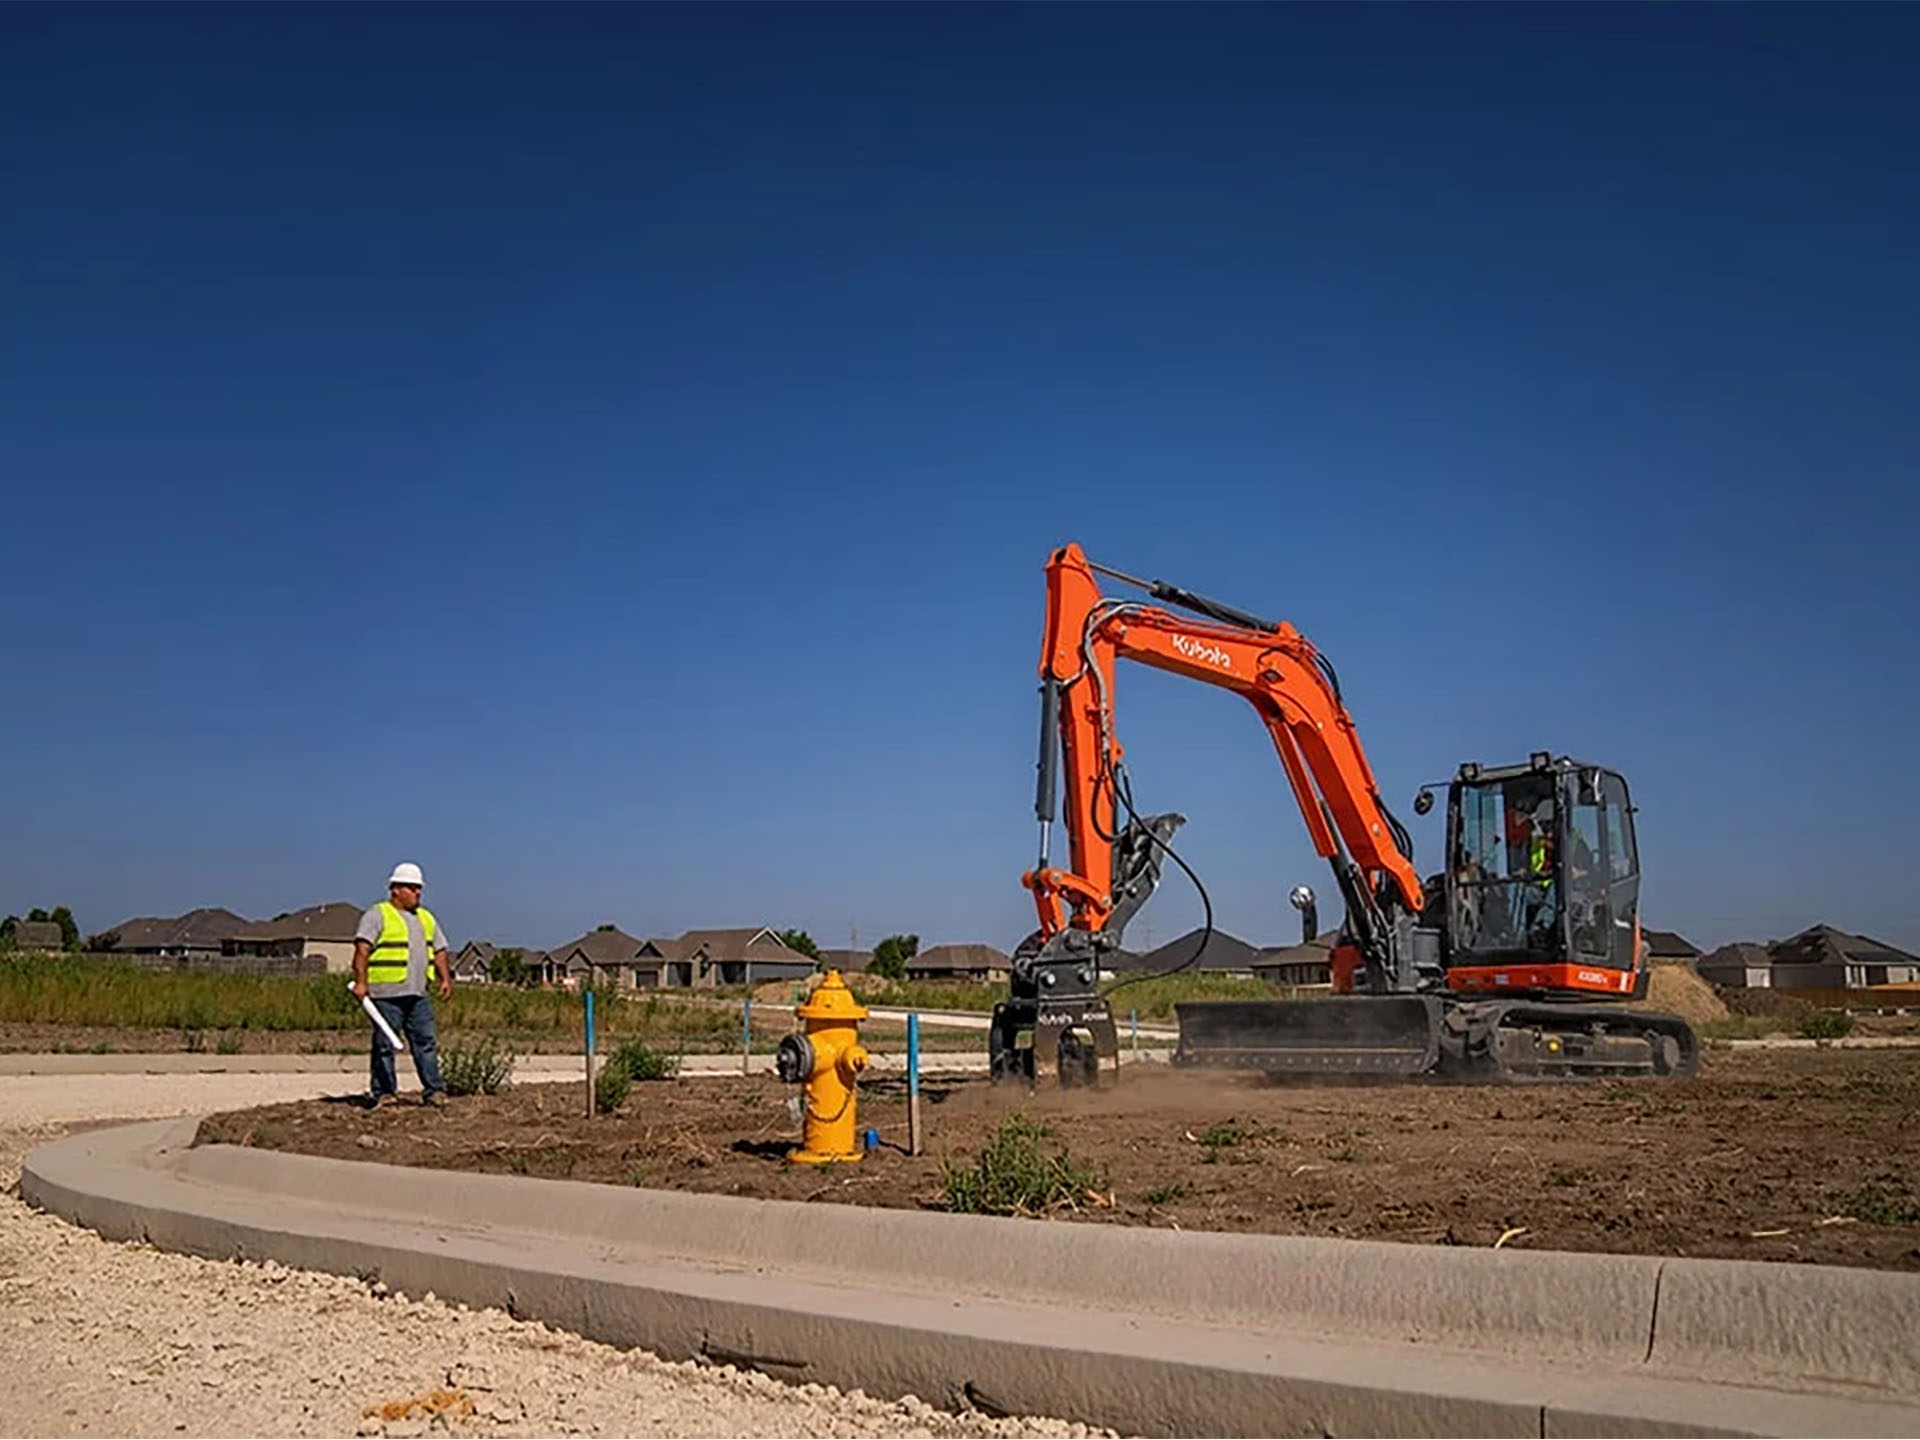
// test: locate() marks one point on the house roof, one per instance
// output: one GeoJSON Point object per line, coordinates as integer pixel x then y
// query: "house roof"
{"type": "Point", "coordinates": [333, 920]}
{"type": "Point", "coordinates": [202, 929]}
{"type": "Point", "coordinates": [742, 942]}
{"type": "Point", "coordinates": [478, 950]}
{"type": "Point", "coordinates": [1669, 944]}
{"type": "Point", "coordinates": [1741, 954]}
{"type": "Point", "coordinates": [600, 947]}
{"type": "Point", "coordinates": [959, 957]}
{"type": "Point", "coordinates": [757, 942]}
{"type": "Point", "coordinates": [1310, 952]}
{"type": "Point", "coordinates": [847, 961]}
{"type": "Point", "coordinates": [1223, 952]}
{"type": "Point", "coordinates": [38, 935]}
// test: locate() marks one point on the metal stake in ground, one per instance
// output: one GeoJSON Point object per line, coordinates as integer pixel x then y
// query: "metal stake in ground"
{"type": "Point", "coordinates": [913, 1082]}
{"type": "Point", "coordinates": [589, 994]}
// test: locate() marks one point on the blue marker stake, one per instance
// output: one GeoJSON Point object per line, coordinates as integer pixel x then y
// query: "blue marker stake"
{"type": "Point", "coordinates": [913, 1082]}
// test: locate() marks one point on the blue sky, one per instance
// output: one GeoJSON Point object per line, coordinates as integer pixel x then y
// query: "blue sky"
{"type": "Point", "coordinates": [608, 455]}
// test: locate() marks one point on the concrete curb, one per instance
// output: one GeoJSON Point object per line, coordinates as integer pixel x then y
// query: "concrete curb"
{"type": "Point", "coordinates": [1145, 1331]}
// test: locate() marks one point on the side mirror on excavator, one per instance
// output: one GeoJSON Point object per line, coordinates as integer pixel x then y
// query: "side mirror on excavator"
{"type": "Point", "coordinates": [1302, 900]}
{"type": "Point", "coordinates": [1423, 802]}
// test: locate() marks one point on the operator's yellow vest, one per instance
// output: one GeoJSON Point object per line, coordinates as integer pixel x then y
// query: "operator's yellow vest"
{"type": "Point", "coordinates": [387, 965]}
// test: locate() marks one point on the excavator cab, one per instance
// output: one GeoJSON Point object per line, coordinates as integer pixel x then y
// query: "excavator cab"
{"type": "Point", "coordinates": [1542, 880]}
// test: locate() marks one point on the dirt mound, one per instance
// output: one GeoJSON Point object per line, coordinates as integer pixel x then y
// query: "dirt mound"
{"type": "Point", "coordinates": [1678, 991]}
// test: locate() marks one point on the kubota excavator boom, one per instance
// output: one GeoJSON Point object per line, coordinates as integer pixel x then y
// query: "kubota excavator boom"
{"type": "Point", "coordinates": [1396, 946]}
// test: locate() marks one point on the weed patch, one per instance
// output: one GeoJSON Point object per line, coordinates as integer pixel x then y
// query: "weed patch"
{"type": "Point", "coordinates": [1879, 1204]}
{"type": "Point", "coordinates": [1014, 1174]}
{"type": "Point", "coordinates": [476, 1067]}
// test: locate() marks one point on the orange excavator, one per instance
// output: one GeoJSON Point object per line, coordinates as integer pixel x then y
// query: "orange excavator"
{"type": "Point", "coordinates": [1511, 963]}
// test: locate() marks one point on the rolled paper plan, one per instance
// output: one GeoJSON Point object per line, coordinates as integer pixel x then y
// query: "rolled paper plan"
{"type": "Point", "coordinates": [373, 1014]}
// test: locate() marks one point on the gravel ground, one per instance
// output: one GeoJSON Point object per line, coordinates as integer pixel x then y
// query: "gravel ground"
{"type": "Point", "coordinates": [98, 1338]}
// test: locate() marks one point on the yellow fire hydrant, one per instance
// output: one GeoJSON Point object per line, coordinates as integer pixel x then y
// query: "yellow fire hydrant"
{"type": "Point", "coordinates": [827, 1060]}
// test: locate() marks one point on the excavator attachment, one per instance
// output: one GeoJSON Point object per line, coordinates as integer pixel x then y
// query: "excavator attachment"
{"type": "Point", "coordinates": [1433, 1036]}
{"type": "Point", "coordinates": [1378, 1035]}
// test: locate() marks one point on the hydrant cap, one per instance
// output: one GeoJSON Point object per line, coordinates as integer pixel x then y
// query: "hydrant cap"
{"type": "Point", "coordinates": [832, 1000]}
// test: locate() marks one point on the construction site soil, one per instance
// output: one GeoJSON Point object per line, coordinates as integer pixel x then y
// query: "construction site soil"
{"type": "Point", "coordinates": [1804, 1155]}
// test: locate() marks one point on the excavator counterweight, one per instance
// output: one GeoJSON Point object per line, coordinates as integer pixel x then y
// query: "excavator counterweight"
{"type": "Point", "coordinates": [1509, 965]}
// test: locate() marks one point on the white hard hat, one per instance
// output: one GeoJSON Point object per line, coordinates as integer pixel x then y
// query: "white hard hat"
{"type": "Point", "coordinates": [406, 873]}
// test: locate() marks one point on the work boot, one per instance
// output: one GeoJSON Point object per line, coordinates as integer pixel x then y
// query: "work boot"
{"type": "Point", "coordinates": [381, 1102]}
{"type": "Point", "coordinates": [435, 1098]}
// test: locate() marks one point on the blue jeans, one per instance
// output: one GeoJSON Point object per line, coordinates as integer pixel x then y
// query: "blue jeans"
{"type": "Point", "coordinates": [411, 1017]}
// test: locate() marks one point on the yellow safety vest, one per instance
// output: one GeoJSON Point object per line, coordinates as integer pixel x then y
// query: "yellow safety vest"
{"type": "Point", "coordinates": [1537, 858]}
{"type": "Point", "coordinates": [387, 965]}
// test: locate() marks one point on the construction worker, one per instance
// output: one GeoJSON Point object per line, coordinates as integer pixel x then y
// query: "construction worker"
{"type": "Point", "coordinates": [396, 941]}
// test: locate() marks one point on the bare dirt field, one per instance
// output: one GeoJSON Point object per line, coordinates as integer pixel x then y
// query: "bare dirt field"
{"type": "Point", "coordinates": [1797, 1155]}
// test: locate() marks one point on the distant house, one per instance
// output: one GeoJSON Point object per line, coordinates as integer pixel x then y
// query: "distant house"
{"type": "Point", "coordinates": [1741, 966]}
{"type": "Point", "coordinates": [474, 964]}
{"type": "Point", "coordinates": [1824, 958]}
{"type": "Point", "coordinates": [747, 955]}
{"type": "Point", "coordinates": [323, 932]}
{"type": "Point", "coordinates": [1664, 947]}
{"type": "Point", "coordinates": [1307, 966]}
{"type": "Point", "coordinates": [38, 935]}
{"type": "Point", "coordinates": [1225, 954]}
{"type": "Point", "coordinates": [199, 934]}
{"type": "Point", "coordinates": [1821, 958]}
{"type": "Point", "coordinates": [959, 962]}
{"type": "Point", "coordinates": [607, 956]}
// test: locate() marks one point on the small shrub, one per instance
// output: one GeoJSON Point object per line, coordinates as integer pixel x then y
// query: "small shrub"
{"type": "Point", "coordinates": [1826, 1024]}
{"type": "Point", "coordinates": [1880, 1205]}
{"type": "Point", "coordinates": [1165, 1194]}
{"type": "Point", "coordinates": [480, 1067]}
{"type": "Point", "coordinates": [1012, 1175]}
{"type": "Point", "coordinates": [1222, 1134]}
{"type": "Point", "coordinates": [228, 1045]}
{"type": "Point", "coordinates": [610, 1088]}
{"type": "Point", "coordinates": [642, 1062]}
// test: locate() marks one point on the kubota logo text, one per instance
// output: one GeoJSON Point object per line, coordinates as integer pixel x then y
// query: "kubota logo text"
{"type": "Point", "coordinates": [1210, 654]}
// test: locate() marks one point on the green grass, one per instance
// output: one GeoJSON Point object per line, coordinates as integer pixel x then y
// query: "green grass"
{"type": "Point", "coordinates": [100, 992]}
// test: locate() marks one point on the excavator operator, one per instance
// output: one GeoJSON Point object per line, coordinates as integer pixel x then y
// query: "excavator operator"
{"type": "Point", "coordinates": [1530, 842]}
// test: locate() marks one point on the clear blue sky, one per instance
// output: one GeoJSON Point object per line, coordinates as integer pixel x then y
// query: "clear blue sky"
{"type": "Point", "coordinates": [608, 455]}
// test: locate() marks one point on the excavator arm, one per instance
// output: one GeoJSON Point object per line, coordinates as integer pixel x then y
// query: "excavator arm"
{"type": "Point", "coordinates": [1276, 670]}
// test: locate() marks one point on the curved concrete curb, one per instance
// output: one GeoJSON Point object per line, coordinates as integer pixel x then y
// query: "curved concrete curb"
{"type": "Point", "coordinates": [1141, 1330]}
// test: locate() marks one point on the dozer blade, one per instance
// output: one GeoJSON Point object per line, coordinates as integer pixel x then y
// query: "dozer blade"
{"type": "Point", "coordinates": [1358, 1035]}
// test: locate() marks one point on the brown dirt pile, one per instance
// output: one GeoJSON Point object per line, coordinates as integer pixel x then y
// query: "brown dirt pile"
{"type": "Point", "coordinates": [1678, 991]}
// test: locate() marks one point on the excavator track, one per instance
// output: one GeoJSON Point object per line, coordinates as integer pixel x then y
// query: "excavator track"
{"type": "Point", "coordinates": [1435, 1037]}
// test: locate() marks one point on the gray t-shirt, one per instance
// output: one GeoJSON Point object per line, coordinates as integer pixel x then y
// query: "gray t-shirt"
{"type": "Point", "coordinates": [416, 981]}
